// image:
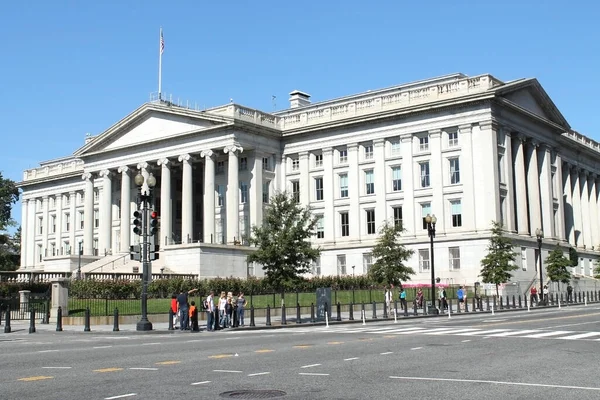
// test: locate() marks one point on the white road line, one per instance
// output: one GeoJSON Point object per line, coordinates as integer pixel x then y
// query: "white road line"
{"type": "Point", "coordinates": [311, 374]}
{"type": "Point", "coordinates": [121, 396]}
{"type": "Point", "coordinates": [515, 333]}
{"type": "Point", "coordinates": [48, 351]}
{"type": "Point", "coordinates": [193, 341]}
{"type": "Point", "coordinates": [310, 366]}
{"type": "Point", "coordinates": [466, 341]}
{"type": "Point", "coordinates": [350, 359]}
{"type": "Point", "coordinates": [580, 336]}
{"type": "Point", "coordinates": [386, 353]}
{"type": "Point", "coordinates": [483, 333]}
{"type": "Point", "coordinates": [224, 370]}
{"type": "Point", "coordinates": [150, 344]}
{"type": "Point", "coordinates": [200, 383]}
{"type": "Point", "coordinates": [450, 331]}
{"type": "Point", "coordinates": [416, 348]}
{"type": "Point", "coordinates": [57, 367]}
{"type": "Point", "coordinates": [546, 334]}
{"type": "Point", "coordinates": [102, 347]}
{"type": "Point", "coordinates": [259, 373]}
{"type": "Point", "coordinates": [414, 378]}
{"type": "Point", "coordinates": [144, 369]}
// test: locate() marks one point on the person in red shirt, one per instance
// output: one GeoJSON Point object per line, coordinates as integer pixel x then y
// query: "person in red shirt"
{"type": "Point", "coordinates": [533, 297]}
{"type": "Point", "coordinates": [174, 309]}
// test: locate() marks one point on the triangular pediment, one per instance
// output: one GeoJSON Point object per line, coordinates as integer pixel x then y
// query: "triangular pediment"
{"type": "Point", "coordinates": [151, 123]}
{"type": "Point", "coordinates": [525, 99]}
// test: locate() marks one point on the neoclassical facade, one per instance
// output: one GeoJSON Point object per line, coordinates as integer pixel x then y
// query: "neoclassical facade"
{"type": "Point", "coordinates": [470, 150]}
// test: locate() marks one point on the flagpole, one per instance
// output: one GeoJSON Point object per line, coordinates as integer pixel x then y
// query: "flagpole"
{"type": "Point", "coordinates": [160, 51]}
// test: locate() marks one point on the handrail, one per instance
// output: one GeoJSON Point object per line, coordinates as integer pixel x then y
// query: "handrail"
{"type": "Point", "coordinates": [110, 262]}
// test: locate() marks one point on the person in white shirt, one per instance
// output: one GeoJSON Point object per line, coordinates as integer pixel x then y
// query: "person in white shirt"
{"type": "Point", "coordinates": [210, 312]}
{"type": "Point", "coordinates": [222, 303]}
{"type": "Point", "coordinates": [388, 300]}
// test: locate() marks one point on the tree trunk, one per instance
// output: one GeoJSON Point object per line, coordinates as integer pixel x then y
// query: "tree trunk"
{"type": "Point", "coordinates": [497, 293]}
{"type": "Point", "coordinates": [282, 298]}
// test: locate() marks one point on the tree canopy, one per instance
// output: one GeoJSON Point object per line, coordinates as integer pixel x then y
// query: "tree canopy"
{"type": "Point", "coordinates": [499, 262]}
{"type": "Point", "coordinates": [283, 241]}
{"type": "Point", "coordinates": [9, 195]}
{"type": "Point", "coordinates": [556, 266]}
{"type": "Point", "coordinates": [390, 257]}
{"type": "Point", "coordinates": [9, 246]}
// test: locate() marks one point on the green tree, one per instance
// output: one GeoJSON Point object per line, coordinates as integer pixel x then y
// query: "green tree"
{"type": "Point", "coordinates": [283, 242]}
{"type": "Point", "coordinates": [597, 270]}
{"type": "Point", "coordinates": [10, 251]}
{"type": "Point", "coordinates": [573, 256]}
{"type": "Point", "coordinates": [556, 266]}
{"type": "Point", "coordinates": [9, 254]}
{"type": "Point", "coordinates": [499, 262]}
{"type": "Point", "coordinates": [390, 257]}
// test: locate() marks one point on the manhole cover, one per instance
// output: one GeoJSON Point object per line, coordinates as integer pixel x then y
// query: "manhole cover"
{"type": "Point", "coordinates": [253, 394]}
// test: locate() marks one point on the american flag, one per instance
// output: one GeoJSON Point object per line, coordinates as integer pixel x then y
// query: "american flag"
{"type": "Point", "coordinates": [162, 43]}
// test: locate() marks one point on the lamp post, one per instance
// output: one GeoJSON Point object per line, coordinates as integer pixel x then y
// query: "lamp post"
{"type": "Point", "coordinates": [431, 220]}
{"type": "Point", "coordinates": [144, 201]}
{"type": "Point", "coordinates": [354, 266]}
{"type": "Point", "coordinates": [540, 236]}
{"type": "Point", "coordinates": [79, 260]}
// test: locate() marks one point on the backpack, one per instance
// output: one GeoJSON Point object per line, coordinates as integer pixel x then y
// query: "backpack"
{"type": "Point", "coordinates": [205, 304]}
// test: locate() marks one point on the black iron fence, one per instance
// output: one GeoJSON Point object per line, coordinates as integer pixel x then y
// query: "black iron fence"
{"type": "Point", "coordinates": [22, 310]}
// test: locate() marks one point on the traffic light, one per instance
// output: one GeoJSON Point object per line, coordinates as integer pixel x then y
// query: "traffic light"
{"type": "Point", "coordinates": [153, 222]}
{"type": "Point", "coordinates": [154, 254]}
{"type": "Point", "coordinates": [137, 223]}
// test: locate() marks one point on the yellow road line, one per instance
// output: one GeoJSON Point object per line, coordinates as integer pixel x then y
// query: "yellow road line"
{"type": "Point", "coordinates": [108, 370]}
{"type": "Point", "coordinates": [264, 351]}
{"type": "Point", "coordinates": [221, 356]}
{"type": "Point", "coordinates": [335, 342]}
{"type": "Point", "coordinates": [168, 362]}
{"type": "Point", "coordinates": [536, 320]}
{"type": "Point", "coordinates": [35, 378]}
{"type": "Point", "coordinates": [303, 346]}
{"type": "Point", "coordinates": [390, 336]}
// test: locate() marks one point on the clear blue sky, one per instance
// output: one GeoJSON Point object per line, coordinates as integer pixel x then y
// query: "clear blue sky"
{"type": "Point", "coordinates": [71, 67]}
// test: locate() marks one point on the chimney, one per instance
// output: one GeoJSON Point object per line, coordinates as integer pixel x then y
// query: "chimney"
{"type": "Point", "coordinates": [299, 99]}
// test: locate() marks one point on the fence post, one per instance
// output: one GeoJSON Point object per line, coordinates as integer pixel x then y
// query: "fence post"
{"type": "Point", "coordinates": [415, 311]}
{"type": "Point", "coordinates": [46, 319]}
{"type": "Point", "coordinates": [351, 312]}
{"type": "Point", "coordinates": [268, 316]}
{"type": "Point", "coordinates": [298, 316]}
{"type": "Point", "coordinates": [487, 299]}
{"type": "Point", "coordinates": [339, 312]}
{"type": "Point", "coordinates": [312, 313]}
{"type": "Point", "coordinates": [31, 320]}
{"type": "Point", "coordinates": [514, 304]}
{"type": "Point", "coordinates": [7, 320]}
{"type": "Point", "coordinates": [252, 315]}
{"type": "Point", "coordinates": [375, 310]}
{"type": "Point", "coordinates": [171, 315]}
{"type": "Point", "coordinates": [59, 319]}
{"type": "Point", "coordinates": [116, 319]}
{"type": "Point", "coordinates": [283, 321]}
{"type": "Point", "coordinates": [520, 303]}
{"type": "Point", "coordinates": [87, 320]}
{"type": "Point", "coordinates": [385, 310]}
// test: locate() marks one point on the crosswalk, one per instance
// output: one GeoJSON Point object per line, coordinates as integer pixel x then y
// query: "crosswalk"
{"type": "Point", "coordinates": [454, 331]}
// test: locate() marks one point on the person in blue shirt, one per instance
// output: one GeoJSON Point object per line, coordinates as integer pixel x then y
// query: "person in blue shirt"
{"type": "Point", "coordinates": [403, 299]}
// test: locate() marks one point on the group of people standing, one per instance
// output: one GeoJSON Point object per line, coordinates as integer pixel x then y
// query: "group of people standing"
{"type": "Point", "coordinates": [219, 312]}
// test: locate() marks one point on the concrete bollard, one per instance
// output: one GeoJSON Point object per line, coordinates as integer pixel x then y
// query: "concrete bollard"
{"type": "Point", "coordinates": [415, 311]}
{"type": "Point", "coordinates": [363, 316]}
{"type": "Point", "coordinates": [520, 303]}
{"type": "Point", "coordinates": [385, 310]}
{"type": "Point", "coordinates": [351, 314]}
{"type": "Point", "coordinates": [283, 318]}
{"type": "Point", "coordinates": [59, 319]}
{"type": "Point", "coordinates": [32, 321]}
{"type": "Point", "coordinates": [87, 320]}
{"type": "Point", "coordinates": [116, 320]}
{"type": "Point", "coordinates": [7, 320]}
{"type": "Point", "coordinates": [298, 316]}
{"type": "Point", "coordinates": [312, 313]}
{"type": "Point", "coordinates": [514, 303]}
{"type": "Point", "coordinates": [339, 312]}
{"type": "Point", "coordinates": [375, 310]}
{"type": "Point", "coordinates": [268, 315]}
{"type": "Point", "coordinates": [488, 302]}
{"type": "Point", "coordinates": [171, 315]}
{"type": "Point", "coordinates": [252, 316]}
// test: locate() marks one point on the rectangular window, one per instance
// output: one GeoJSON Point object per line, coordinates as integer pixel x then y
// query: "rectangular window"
{"type": "Point", "coordinates": [295, 164]}
{"type": "Point", "coordinates": [52, 203]}
{"type": "Point", "coordinates": [266, 192]}
{"type": "Point", "coordinates": [454, 171]}
{"type": "Point", "coordinates": [367, 262]}
{"type": "Point", "coordinates": [243, 192]}
{"type": "Point", "coordinates": [424, 168]}
{"type": "Point", "coordinates": [41, 225]}
{"type": "Point", "coordinates": [454, 258]}
{"type": "Point", "coordinates": [369, 152]}
{"type": "Point", "coordinates": [220, 167]}
{"type": "Point", "coordinates": [81, 220]}
{"type": "Point", "coordinates": [67, 199]}
{"type": "Point", "coordinates": [67, 222]}
{"type": "Point", "coordinates": [501, 168]}
{"type": "Point", "coordinates": [395, 144]}
{"type": "Point", "coordinates": [316, 266]}
{"type": "Point", "coordinates": [318, 160]}
{"type": "Point", "coordinates": [524, 258]}
{"type": "Point", "coordinates": [96, 219]}
{"type": "Point", "coordinates": [343, 156]}
{"type": "Point", "coordinates": [81, 197]}
{"type": "Point", "coordinates": [296, 191]}
{"type": "Point", "coordinates": [396, 179]}
{"type": "Point", "coordinates": [343, 186]}
{"type": "Point", "coordinates": [341, 264]}
{"type": "Point", "coordinates": [398, 216]}
{"type": "Point", "coordinates": [424, 143]}
{"type": "Point", "coordinates": [425, 210]}
{"type": "Point", "coordinates": [243, 164]}
{"type": "Point", "coordinates": [452, 139]}
{"type": "Point", "coordinates": [423, 260]}
{"type": "Point", "coordinates": [319, 189]}
{"type": "Point", "coordinates": [371, 230]}
{"type": "Point", "coordinates": [456, 211]}
{"type": "Point", "coordinates": [53, 224]}
{"type": "Point", "coordinates": [221, 195]}
{"type": "Point", "coordinates": [266, 164]}
{"type": "Point", "coordinates": [345, 223]}
{"type": "Point", "coordinates": [95, 247]}
{"type": "Point", "coordinates": [369, 182]}
{"type": "Point", "coordinates": [320, 227]}
{"type": "Point", "coordinates": [96, 195]}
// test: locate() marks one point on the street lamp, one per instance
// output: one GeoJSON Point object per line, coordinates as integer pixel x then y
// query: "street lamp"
{"type": "Point", "coordinates": [431, 220]}
{"type": "Point", "coordinates": [144, 201]}
{"type": "Point", "coordinates": [540, 235]}
{"type": "Point", "coordinates": [354, 266]}
{"type": "Point", "coordinates": [79, 259]}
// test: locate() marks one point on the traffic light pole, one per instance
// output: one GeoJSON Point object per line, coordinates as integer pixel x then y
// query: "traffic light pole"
{"type": "Point", "coordinates": [144, 324]}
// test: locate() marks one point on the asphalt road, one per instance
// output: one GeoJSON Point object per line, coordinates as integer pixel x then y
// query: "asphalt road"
{"type": "Point", "coordinates": [535, 355]}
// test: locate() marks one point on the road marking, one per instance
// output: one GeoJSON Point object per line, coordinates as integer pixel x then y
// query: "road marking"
{"type": "Point", "coordinates": [415, 378]}
{"type": "Point", "coordinates": [144, 369]}
{"type": "Point", "coordinates": [312, 374]}
{"type": "Point", "coordinates": [167, 362]}
{"type": "Point", "coordinates": [108, 370]}
{"type": "Point", "coordinates": [264, 351]}
{"type": "Point", "coordinates": [225, 370]}
{"type": "Point", "coordinates": [259, 373]}
{"type": "Point", "coordinates": [310, 366]}
{"type": "Point", "coordinates": [546, 334]}
{"type": "Point", "coordinates": [581, 335]}
{"type": "Point", "coordinates": [416, 348]}
{"type": "Point", "coordinates": [521, 321]}
{"type": "Point", "coordinates": [389, 336]}
{"type": "Point", "coordinates": [102, 347]}
{"type": "Point", "coordinates": [193, 341]}
{"type": "Point", "coordinates": [35, 378]}
{"type": "Point", "coordinates": [221, 356]}
{"type": "Point", "coordinates": [482, 333]}
{"type": "Point", "coordinates": [303, 346]}
{"type": "Point", "coordinates": [514, 333]}
{"type": "Point", "coordinates": [57, 367]}
{"type": "Point", "coordinates": [200, 383]}
{"type": "Point", "coordinates": [335, 342]}
{"type": "Point", "coordinates": [121, 396]}
{"type": "Point", "coordinates": [150, 344]}
{"type": "Point", "coordinates": [350, 359]}
{"type": "Point", "coordinates": [450, 331]}
{"type": "Point", "coordinates": [48, 351]}
{"type": "Point", "coordinates": [386, 353]}
{"type": "Point", "coordinates": [466, 341]}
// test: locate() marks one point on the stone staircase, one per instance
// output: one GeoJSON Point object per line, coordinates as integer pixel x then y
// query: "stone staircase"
{"type": "Point", "coordinates": [107, 264]}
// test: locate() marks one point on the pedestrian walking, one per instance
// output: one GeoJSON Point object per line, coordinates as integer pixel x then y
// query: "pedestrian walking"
{"type": "Point", "coordinates": [241, 306]}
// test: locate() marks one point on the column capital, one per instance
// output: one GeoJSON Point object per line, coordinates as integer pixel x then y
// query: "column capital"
{"type": "Point", "coordinates": [143, 165]}
{"type": "Point", "coordinates": [534, 143]}
{"type": "Point", "coordinates": [584, 172]}
{"type": "Point", "coordinates": [184, 157]}
{"type": "Point", "coordinates": [434, 133]}
{"type": "Point", "coordinates": [32, 201]}
{"type": "Point", "coordinates": [407, 138]}
{"type": "Point", "coordinates": [86, 176]}
{"type": "Point", "coordinates": [328, 151]}
{"type": "Point", "coordinates": [465, 128]}
{"type": "Point", "coordinates": [233, 149]}
{"type": "Point", "coordinates": [105, 173]}
{"type": "Point", "coordinates": [206, 153]}
{"type": "Point", "coordinates": [163, 162]}
{"type": "Point", "coordinates": [352, 146]}
{"type": "Point", "coordinates": [378, 142]}
{"type": "Point", "coordinates": [123, 169]}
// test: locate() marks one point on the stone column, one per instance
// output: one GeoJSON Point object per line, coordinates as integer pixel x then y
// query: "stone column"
{"type": "Point", "coordinates": [31, 233]}
{"type": "Point", "coordinates": [45, 226]}
{"type": "Point", "coordinates": [585, 210]}
{"type": "Point", "coordinates": [593, 207]}
{"type": "Point", "coordinates": [568, 214]}
{"type": "Point", "coordinates": [59, 222]}
{"type": "Point", "coordinates": [353, 193]}
{"type": "Point", "coordinates": [408, 206]}
{"type": "Point", "coordinates": [73, 223]}
{"type": "Point", "coordinates": [558, 187]}
{"type": "Point", "coordinates": [533, 189]}
{"type": "Point", "coordinates": [60, 298]}
{"type": "Point", "coordinates": [436, 180]}
{"type": "Point", "coordinates": [126, 214]}
{"type": "Point", "coordinates": [510, 184]}
{"type": "Point", "coordinates": [256, 183]}
{"type": "Point", "coordinates": [24, 233]}
{"type": "Point", "coordinates": [233, 193]}
{"type": "Point", "coordinates": [520, 186]}
{"type": "Point", "coordinates": [105, 244]}
{"type": "Point", "coordinates": [209, 196]}
{"type": "Point", "coordinates": [166, 205]}
{"type": "Point", "coordinates": [485, 175]}
{"type": "Point", "coordinates": [380, 176]}
{"type": "Point", "coordinates": [187, 199]}
{"type": "Point", "coordinates": [577, 223]}
{"type": "Point", "coordinates": [329, 192]}
{"type": "Point", "coordinates": [88, 215]}
{"type": "Point", "coordinates": [305, 186]}
{"type": "Point", "coordinates": [546, 192]}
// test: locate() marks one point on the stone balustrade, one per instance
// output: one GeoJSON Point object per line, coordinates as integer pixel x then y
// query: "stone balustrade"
{"type": "Point", "coordinates": [60, 168]}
